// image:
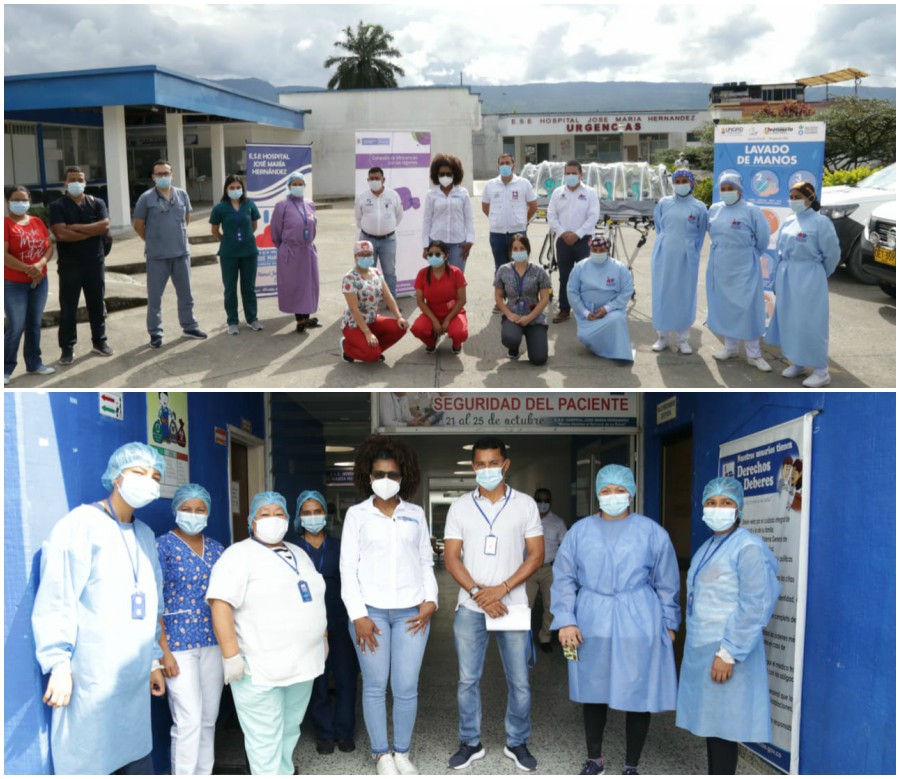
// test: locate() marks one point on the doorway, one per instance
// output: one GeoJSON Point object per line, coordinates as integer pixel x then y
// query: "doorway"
{"type": "Point", "coordinates": [246, 473]}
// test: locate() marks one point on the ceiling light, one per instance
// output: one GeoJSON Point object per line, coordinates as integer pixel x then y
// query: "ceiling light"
{"type": "Point", "coordinates": [462, 473]}
{"type": "Point", "coordinates": [343, 465]}
{"type": "Point", "coordinates": [333, 448]}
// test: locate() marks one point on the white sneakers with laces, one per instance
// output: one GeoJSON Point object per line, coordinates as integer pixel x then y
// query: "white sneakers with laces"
{"type": "Point", "coordinates": [385, 766]}
{"type": "Point", "coordinates": [403, 764]}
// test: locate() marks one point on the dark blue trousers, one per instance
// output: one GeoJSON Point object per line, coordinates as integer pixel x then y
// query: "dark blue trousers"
{"type": "Point", "coordinates": [336, 721]}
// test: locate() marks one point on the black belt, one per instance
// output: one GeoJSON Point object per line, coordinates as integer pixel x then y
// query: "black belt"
{"type": "Point", "coordinates": [378, 237]}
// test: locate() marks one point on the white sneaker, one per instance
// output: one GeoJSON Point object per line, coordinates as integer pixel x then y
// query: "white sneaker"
{"type": "Point", "coordinates": [385, 766]}
{"type": "Point", "coordinates": [255, 325]}
{"type": "Point", "coordinates": [404, 766]}
{"type": "Point", "coordinates": [233, 330]}
{"type": "Point", "coordinates": [43, 370]}
{"type": "Point", "coordinates": [724, 354]}
{"type": "Point", "coordinates": [662, 343]}
{"type": "Point", "coordinates": [818, 378]}
{"type": "Point", "coordinates": [793, 371]}
{"type": "Point", "coordinates": [684, 347]}
{"type": "Point", "coordinates": [759, 362]}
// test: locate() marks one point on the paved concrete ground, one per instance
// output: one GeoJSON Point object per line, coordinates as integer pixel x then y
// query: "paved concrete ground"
{"type": "Point", "coordinates": [863, 337]}
{"type": "Point", "coordinates": [557, 732]}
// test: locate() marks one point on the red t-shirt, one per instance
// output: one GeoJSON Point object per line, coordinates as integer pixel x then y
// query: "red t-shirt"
{"type": "Point", "coordinates": [440, 294]}
{"type": "Point", "coordinates": [27, 243]}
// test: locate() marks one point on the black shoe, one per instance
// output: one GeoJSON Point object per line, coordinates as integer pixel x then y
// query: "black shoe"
{"type": "Point", "coordinates": [430, 349]}
{"type": "Point", "coordinates": [513, 354]}
{"type": "Point", "coordinates": [325, 746]}
{"type": "Point", "coordinates": [457, 349]}
{"type": "Point", "coordinates": [381, 358]}
{"type": "Point", "coordinates": [155, 341]}
{"type": "Point", "coordinates": [194, 332]}
{"type": "Point", "coordinates": [346, 357]}
{"type": "Point", "coordinates": [590, 768]}
{"type": "Point", "coordinates": [67, 357]}
{"type": "Point", "coordinates": [546, 647]}
{"type": "Point", "coordinates": [466, 756]}
{"type": "Point", "coordinates": [102, 349]}
{"type": "Point", "coordinates": [346, 745]}
{"type": "Point", "coordinates": [521, 757]}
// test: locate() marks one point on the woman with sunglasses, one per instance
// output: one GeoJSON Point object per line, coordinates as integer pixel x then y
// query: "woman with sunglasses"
{"type": "Point", "coordinates": [389, 589]}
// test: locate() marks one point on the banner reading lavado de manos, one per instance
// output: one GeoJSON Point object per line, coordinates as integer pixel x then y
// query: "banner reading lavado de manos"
{"type": "Point", "coordinates": [775, 468]}
{"type": "Point", "coordinates": [405, 156]}
{"type": "Point", "coordinates": [771, 158]}
{"type": "Point", "coordinates": [268, 168]}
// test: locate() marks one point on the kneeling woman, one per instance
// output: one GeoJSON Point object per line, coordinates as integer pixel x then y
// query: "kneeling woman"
{"type": "Point", "coordinates": [441, 295]}
{"type": "Point", "coordinates": [732, 591]}
{"type": "Point", "coordinates": [599, 290]}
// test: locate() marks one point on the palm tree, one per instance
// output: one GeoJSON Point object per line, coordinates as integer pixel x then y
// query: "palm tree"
{"type": "Point", "coordinates": [367, 67]}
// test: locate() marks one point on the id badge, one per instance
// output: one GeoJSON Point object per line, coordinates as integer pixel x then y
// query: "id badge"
{"type": "Point", "coordinates": [305, 233]}
{"type": "Point", "coordinates": [138, 605]}
{"type": "Point", "coordinates": [304, 591]}
{"type": "Point", "coordinates": [571, 653]}
{"type": "Point", "coordinates": [490, 545]}
{"type": "Point", "coordinates": [690, 604]}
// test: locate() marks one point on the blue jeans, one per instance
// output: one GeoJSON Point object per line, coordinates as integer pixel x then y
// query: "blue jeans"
{"type": "Point", "coordinates": [471, 639]}
{"type": "Point", "coordinates": [386, 257]}
{"type": "Point", "coordinates": [500, 247]}
{"type": "Point", "coordinates": [24, 306]}
{"type": "Point", "coordinates": [158, 274]}
{"type": "Point", "coordinates": [456, 256]}
{"type": "Point", "coordinates": [399, 655]}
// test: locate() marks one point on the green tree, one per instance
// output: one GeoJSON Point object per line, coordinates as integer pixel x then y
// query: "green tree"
{"type": "Point", "coordinates": [789, 110]}
{"type": "Point", "coordinates": [859, 132]}
{"type": "Point", "coordinates": [366, 67]}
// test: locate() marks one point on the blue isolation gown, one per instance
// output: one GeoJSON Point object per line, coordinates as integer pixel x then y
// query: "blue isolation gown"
{"type": "Point", "coordinates": [83, 613]}
{"type": "Point", "coordinates": [734, 596]}
{"type": "Point", "coordinates": [680, 224]}
{"type": "Point", "coordinates": [734, 288]}
{"type": "Point", "coordinates": [618, 581]}
{"type": "Point", "coordinates": [807, 252]}
{"type": "Point", "coordinates": [608, 284]}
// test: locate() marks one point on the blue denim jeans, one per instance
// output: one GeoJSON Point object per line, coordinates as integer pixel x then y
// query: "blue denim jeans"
{"type": "Point", "coordinates": [386, 257]}
{"type": "Point", "coordinates": [24, 306]}
{"type": "Point", "coordinates": [471, 638]}
{"type": "Point", "coordinates": [500, 247]}
{"type": "Point", "coordinates": [399, 656]}
{"type": "Point", "coordinates": [456, 256]}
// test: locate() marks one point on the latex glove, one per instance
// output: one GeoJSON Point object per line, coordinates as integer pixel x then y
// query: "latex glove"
{"type": "Point", "coordinates": [234, 668]}
{"type": "Point", "coordinates": [59, 688]}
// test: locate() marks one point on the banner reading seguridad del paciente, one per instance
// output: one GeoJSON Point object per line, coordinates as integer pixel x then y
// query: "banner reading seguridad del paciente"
{"type": "Point", "coordinates": [771, 158]}
{"type": "Point", "coordinates": [268, 168]}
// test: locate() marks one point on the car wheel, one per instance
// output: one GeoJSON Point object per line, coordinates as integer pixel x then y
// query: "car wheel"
{"type": "Point", "coordinates": [890, 289]}
{"type": "Point", "coordinates": [855, 266]}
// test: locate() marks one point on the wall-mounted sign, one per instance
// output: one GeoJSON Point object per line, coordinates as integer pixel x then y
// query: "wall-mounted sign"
{"type": "Point", "coordinates": [112, 405]}
{"type": "Point", "coordinates": [221, 437]}
{"type": "Point", "coordinates": [667, 410]}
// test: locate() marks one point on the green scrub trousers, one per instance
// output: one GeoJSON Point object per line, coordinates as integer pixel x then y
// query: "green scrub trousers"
{"type": "Point", "coordinates": [245, 267]}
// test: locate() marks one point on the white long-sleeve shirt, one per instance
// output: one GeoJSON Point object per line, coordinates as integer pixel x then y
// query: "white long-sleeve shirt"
{"type": "Point", "coordinates": [386, 562]}
{"type": "Point", "coordinates": [378, 215]}
{"type": "Point", "coordinates": [448, 218]}
{"type": "Point", "coordinates": [573, 211]}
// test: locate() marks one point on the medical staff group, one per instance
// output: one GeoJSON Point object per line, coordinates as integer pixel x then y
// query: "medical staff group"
{"type": "Point", "coordinates": [594, 286]}
{"type": "Point", "coordinates": [120, 616]}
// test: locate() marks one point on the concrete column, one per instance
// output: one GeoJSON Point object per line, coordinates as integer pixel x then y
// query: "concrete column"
{"type": "Point", "coordinates": [175, 149]}
{"type": "Point", "coordinates": [116, 158]}
{"type": "Point", "coordinates": [217, 147]}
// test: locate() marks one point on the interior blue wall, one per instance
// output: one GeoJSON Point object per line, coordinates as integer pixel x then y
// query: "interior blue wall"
{"type": "Point", "coordinates": [848, 718]}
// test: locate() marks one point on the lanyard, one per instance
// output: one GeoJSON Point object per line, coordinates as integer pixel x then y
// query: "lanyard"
{"type": "Point", "coordinates": [310, 549]}
{"type": "Point", "coordinates": [301, 211]}
{"type": "Point", "coordinates": [520, 283]}
{"type": "Point", "coordinates": [136, 562]}
{"type": "Point", "coordinates": [707, 557]}
{"type": "Point", "coordinates": [295, 568]}
{"type": "Point", "coordinates": [481, 511]}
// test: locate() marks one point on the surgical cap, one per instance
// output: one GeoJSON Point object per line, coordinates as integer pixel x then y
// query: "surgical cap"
{"type": "Point", "coordinates": [600, 242]}
{"type": "Point", "coordinates": [687, 174]}
{"type": "Point", "coordinates": [187, 492]}
{"type": "Point", "coordinates": [735, 179]}
{"type": "Point", "coordinates": [362, 246]}
{"type": "Point", "coordinates": [129, 456]}
{"type": "Point", "coordinates": [294, 176]}
{"type": "Point", "coordinates": [264, 499]}
{"type": "Point", "coordinates": [616, 474]}
{"type": "Point", "coordinates": [307, 495]}
{"type": "Point", "coordinates": [726, 486]}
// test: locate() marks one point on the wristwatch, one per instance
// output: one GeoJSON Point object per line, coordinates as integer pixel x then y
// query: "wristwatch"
{"type": "Point", "coordinates": [474, 589]}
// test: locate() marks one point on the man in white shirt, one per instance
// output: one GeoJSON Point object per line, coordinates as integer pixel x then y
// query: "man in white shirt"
{"type": "Point", "coordinates": [497, 528]}
{"type": "Point", "coordinates": [378, 212]}
{"type": "Point", "coordinates": [554, 530]}
{"type": "Point", "coordinates": [509, 202]}
{"type": "Point", "coordinates": [572, 215]}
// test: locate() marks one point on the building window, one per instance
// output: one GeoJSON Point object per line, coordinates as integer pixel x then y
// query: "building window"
{"type": "Point", "coordinates": [652, 143]}
{"type": "Point", "coordinates": [692, 138]}
{"type": "Point", "coordinates": [509, 146]}
{"type": "Point", "coordinates": [598, 148]}
{"type": "Point", "coordinates": [67, 146]}
{"type": "Point", "coordinates": [20, 152]}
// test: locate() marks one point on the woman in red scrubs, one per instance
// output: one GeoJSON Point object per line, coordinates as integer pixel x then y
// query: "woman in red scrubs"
{"type": "Point", "coordinates": [441, 295]}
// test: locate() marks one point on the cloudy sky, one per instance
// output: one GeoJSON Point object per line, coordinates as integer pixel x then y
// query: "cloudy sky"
{"type": "Point", "coordinates": [491, 43]}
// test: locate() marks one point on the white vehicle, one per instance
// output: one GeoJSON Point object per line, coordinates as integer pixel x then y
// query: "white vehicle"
{"type": "Point", "coordinates": [850, 209]}
{"type": "Point", "coordinates": [879, 247]}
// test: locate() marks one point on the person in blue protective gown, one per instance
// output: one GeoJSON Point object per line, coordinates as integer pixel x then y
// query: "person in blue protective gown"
{"type": "Point", "coordinates": [680, 222]}
{"type": "Point", "coordinates": [739, 233]}
{"type": "Point", "coordinates": [732, 591]}
{"type": "Point", "coordinates": [615, 599]}
{"type": "Point", "coordinates": [96, 623]}
{"type": "Point", "coordinates": [806, 253]}
{"type": "Point", "coordinates": [334, 721]}
{"type": "Point", "coordinates": [268, 610]}
{"type": "Point", "coordinates": [599, 290]}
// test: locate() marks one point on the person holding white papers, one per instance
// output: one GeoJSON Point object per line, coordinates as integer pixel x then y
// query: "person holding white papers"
{"type": "Point", "coordinates": [497, 528]}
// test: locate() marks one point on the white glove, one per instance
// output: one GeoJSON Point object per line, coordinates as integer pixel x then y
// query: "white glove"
{"type": "Point", "coordinates": [59, 688]}
{"type": "Point", "coordinates": [234, 668]}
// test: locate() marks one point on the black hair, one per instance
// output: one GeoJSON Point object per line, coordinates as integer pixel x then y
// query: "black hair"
{"type": "Point", "coordinates": [19, 188]}
{"type": "Point", "coordinates": [522, 239]}
{"type": "Point", "coordinates": [489, 442]}
{"type": "Point", "coordinates": [378, 447]}
{"type": "Point", "coordinates": [573, 164]}
{"type": "Point", "coordinates": [449, 161]}
{"type": "Point", "coordinates": [72, 169]}
{"type": "Point", "coordinates": [376, 169]}
{"type": "Point", "coordinates": [160, 162]}
{"type": "Point", "coordinates": [234, 179]}
{"type": "Point", "coordinates": [544, 489]}
{"type": "Point", "coordinates": [445, 250]}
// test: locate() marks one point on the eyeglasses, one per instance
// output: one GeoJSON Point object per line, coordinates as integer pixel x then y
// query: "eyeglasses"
{"type": "Point", "coordinates": [392, 475]}
{"type": "Point", "coordinates": [445, 173]}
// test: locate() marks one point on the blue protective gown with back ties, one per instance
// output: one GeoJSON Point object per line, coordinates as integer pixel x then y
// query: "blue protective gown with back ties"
{"type": "Point", "coordinates": [680, 224]}
{"type": "Point", "coordinates": [733, 598]}
{"type": "Point", "coordinates": [608, 284]}
{"type": "Point", "coordinates": [618, 581]}
{"type": "Point", "coordinates": [83, 613]}
{"type": "Point", "coordinates": [806, 254]}
{"type": "Point", "coordinates": [739, 234]}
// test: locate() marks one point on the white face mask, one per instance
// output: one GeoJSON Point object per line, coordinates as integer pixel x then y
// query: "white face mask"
{"type": "Point", "coordinates": [138, 490]}
{"type": "Point", "coordinates": [543, 508]}
{"type": "Point", "coordinates": [385, 488]}
{"type": "Point", "coordinates": [445, 181]}
{"type": "Point", "coordinates": [270, 530]}
{"type": "Point", "coordinates": [376, 185]}
{"type": "Point", "coordinates": [719, 518]}
{"type": "Point", "coordinates": [614, 505]}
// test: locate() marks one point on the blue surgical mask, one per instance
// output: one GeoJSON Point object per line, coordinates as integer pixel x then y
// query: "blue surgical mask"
{"type": "Point", "coordinates": [435, 260]}
{"type": "Point", "coordinates": [75, 188]}
{"type": "Point", "coordinates": [571, 179]}
{"type": "Point", "coordinates": [519, 256]}
{"type": "Point", "coordinates": [19, 207]}
{"type": "Point", "coordinates": [506, 171]}
{"type": "Point", "coordinates": [365, 262]}
{"type": "Point", "coordinates": [730, 197]}
{"type": "Point", "coordinates": [298, 191]}
{"type": "Point", "coordinates": [599, 257]}
{"type": "Point", "coordinates": [798, 206]}
{"type": "Point", "coordinates": [489, 478]}
{"type": "Point", "coordinates": [614, 505]}
{"type": "Point", "coordinates": [235, 194]}
{"type": "Point", "coordinates": [314, 523]}
{"type": "Point", "coordinates": [191, 523]}
{"type": "Point", "coordinates": [682, 190]}
{"type": "Point", "coordinates": [163, 182]}
{"type": "Point", "coordinates": [719, 518]}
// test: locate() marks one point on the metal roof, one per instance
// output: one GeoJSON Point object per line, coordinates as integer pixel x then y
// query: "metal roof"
{"type": "Point", "coordinates": [836, 76]}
